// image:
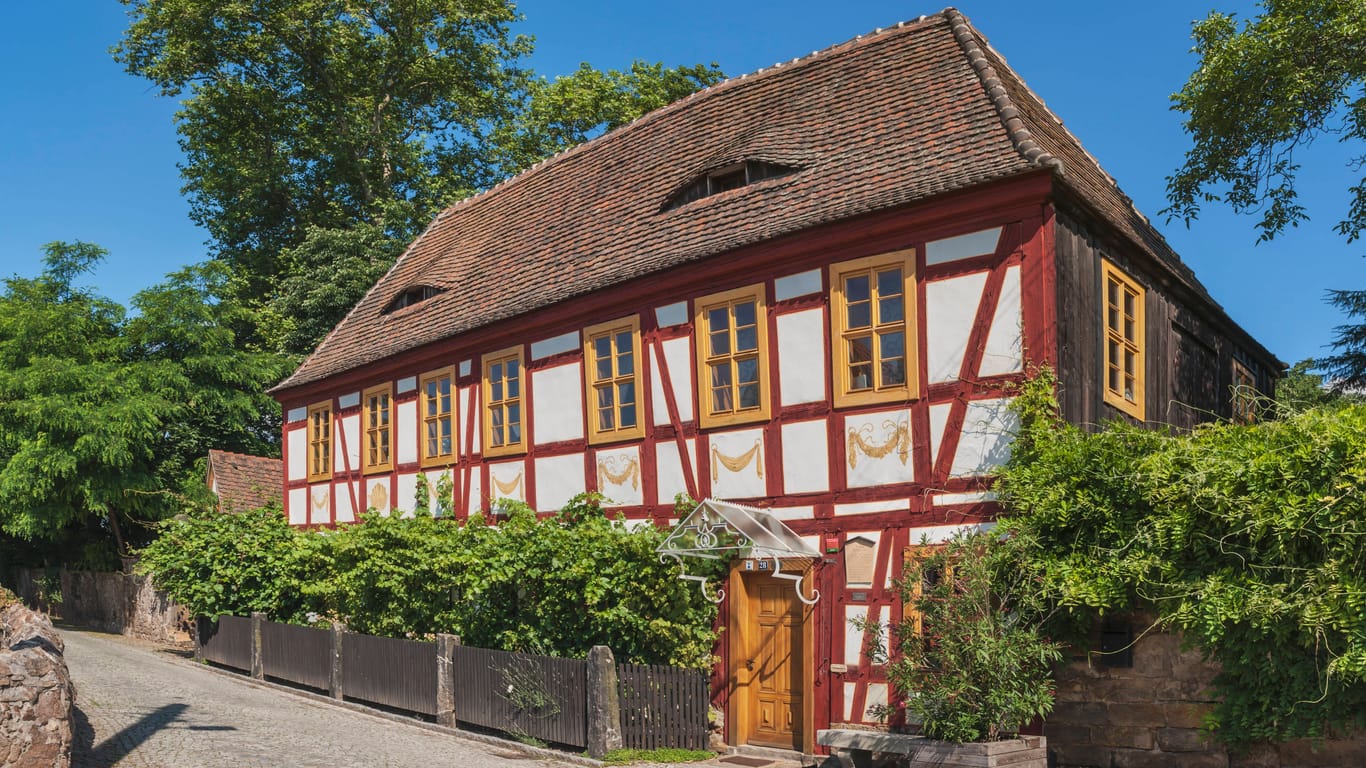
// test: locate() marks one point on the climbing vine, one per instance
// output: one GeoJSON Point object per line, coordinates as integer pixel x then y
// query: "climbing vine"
{"type": "Point", "coordinates": [1248, 540]}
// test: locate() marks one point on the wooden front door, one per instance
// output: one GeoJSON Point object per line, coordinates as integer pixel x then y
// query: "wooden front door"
{"type": "Point", "coordinates": [769, 663]}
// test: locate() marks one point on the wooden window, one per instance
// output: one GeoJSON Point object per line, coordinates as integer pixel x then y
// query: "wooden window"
{"type": "Point", "coordinates": [872, 305]}
{"type": "Point", "coordinates": [732, 359]}
{"type": "Point", "coordinates": [379, 429]}
{"type": "Point", "coordinates": [930, 577]}
{"type": "Point", "coordinates": [320, 441]}
{"type": "Point", "coordinates": [503, 433]}
{"type": "Point", "coordinates": [1244, 394]}
{"type": "Point", "coordinates": [437, 408]}
{"type": "Point", "coordinates": [611, 358]}
{"type": "Point", "coordinates": [1124, 335]}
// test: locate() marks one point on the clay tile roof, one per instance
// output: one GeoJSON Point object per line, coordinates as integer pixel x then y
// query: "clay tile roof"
{"type": "Point", "coordinates": [886, 119]}
{"type": "Point", "coordinates": [244, 482]}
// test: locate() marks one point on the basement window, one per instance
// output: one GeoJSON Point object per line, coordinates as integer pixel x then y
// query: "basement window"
{"type": "Point", "coordinates": [411, 296]}
{"type": "Point", "coordinates": [726, 178]}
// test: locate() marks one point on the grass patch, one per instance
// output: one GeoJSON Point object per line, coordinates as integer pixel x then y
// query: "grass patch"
{"type": "Point", "coordinates": [664, 755]}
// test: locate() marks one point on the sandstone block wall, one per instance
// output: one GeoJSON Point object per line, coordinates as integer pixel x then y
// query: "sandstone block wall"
{"type": "Point", "coordinates": [121, 603]}
{"type": "Point", "coordinates": [36, 694]}
{"type": "Point", "coordinates": [1150, 716]}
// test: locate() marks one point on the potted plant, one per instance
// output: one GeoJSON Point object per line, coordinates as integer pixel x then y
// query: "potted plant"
{"type": "Point", "coordinates": [970, 657]}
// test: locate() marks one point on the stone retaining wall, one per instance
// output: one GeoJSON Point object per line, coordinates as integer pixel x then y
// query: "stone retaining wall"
{"type": "Point", "coordinates": [126, 604]}
{"type": "Point", "coordinates": [36, 694]}
{"type": "Point", "coordinates": [1149, 716]}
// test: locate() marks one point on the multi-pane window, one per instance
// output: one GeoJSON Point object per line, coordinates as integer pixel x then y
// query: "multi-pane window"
{"type": "Point", "coordinates": [379, 432]}
{"type": "Point", "coordinates": [611, 354]}
{"type": "Point", "coordinates": [438, 417]}
{"type": "Point", "coordinates": [320, 441]}
{"type": "Point", "coordinates": [503, 402]}
{"type": "Point", "coordinates": [874, 347]}
{"type": "Point", "coordinates": [1244, 394]}
{"type": "Point", "coordinates": [1123, 316]}
{"type": "Point", "coordinates": [732, 360]}
{"type": "Point", "coordinates": [922, 562]}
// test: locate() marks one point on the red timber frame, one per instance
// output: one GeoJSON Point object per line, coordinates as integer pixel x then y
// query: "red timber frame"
{"type": "Point", "coordinates": [1019, 205]}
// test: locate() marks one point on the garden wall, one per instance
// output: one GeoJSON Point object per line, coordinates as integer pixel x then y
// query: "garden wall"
{"type": "Point", "coordinates": [36, 694]}
{"type": "Point", "coordinates": [1149, 716]}
{"type": "Point", "coordinates": [122, 603]}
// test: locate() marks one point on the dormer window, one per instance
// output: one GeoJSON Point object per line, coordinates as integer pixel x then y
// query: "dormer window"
{"type": "Point", "coordinates": [727, 178]}
{"type": "Point", "coordinates": [411, 296]}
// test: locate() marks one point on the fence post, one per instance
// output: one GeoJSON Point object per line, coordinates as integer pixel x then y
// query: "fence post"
{"type": "Point", "coordinates": [334, 677]}
{"type": "Point", "coordinates": [445, 679]}
{"type": "Point", "coordinates": [199, 622]}
{"type": "Point", "coordinates": [258, 669]}
{"type": "Point", "coordinates": [604, 703]}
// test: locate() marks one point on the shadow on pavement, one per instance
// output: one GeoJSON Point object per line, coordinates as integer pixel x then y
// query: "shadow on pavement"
{"type": "Point", "coordinates": [87, 754]}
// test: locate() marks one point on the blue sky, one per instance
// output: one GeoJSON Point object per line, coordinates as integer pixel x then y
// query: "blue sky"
{"type": "Point", "coordinates": [89, 152]}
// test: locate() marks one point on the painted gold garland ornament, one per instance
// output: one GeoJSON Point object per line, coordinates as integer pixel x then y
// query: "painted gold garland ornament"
{"type": "Point", "coordinates": [898, 439]}
{"type": "Point", "coordinates": [630, 471]}
{"type": "Point", "coordinates": [737, 463]}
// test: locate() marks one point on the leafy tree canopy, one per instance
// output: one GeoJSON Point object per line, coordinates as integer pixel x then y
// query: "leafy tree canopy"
{"type": "Point", "coordinates": [1264, 90]}
{"type": "Point", "coordinates": [302, 121]}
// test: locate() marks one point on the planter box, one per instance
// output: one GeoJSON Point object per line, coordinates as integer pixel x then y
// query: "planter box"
{"type": "Point", "coordinates": [1022, 752]}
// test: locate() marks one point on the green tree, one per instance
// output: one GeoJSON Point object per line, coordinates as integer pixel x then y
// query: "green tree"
{"type": "Point", "coordinates": [1264, 90]}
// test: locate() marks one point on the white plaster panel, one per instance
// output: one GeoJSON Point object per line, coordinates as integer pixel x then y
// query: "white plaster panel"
{"type": "Point", "coordinates": [619, 476]}
{"type": "Point", "coordinates": [507, 481]}
{"type": "Point", "coordinates": [678, 359]}
{"type": "Point", "coordinates": [319, 503]}
{"type": "Point", "coordinates": [466, 366]}
{"type": "Point", "coordinates": [298, 506]}
{"type": "Point", "coordinates": [888, 431]}
{"type": "Point", "coordinates": [405, 384]}
{"type": "Point", "coordinates": [877, 697]}
{"type": "Point", "coordinates": [800, 284]}
{"type": "Point", "coordinates": [939, 421]}
{"type": "Point", "coordinates": [989, 427]}
{"type": "Point", "coordinates": [980, 243]}
{"type": "Point", "coordinates": [558, 404]}
{"type": "Point", "coordinates": [348, 401]}
{"type": "Point", "coordinates": [801, 356]}
{"type": "Point", "coordinates": [853, 636]}
{"type": "Point", "coordinates": [558, 479]}
{"type": "Point", "coordinates": [748, 481]}
{"type": "Point", "coordinates": [405, 492]}
{"type": "Point", "coordinates": [348, 459]}
{"type": "Point", "coordinates": [806, 465]}
{"type": "Point", "coordinates": [296, 414]}
{"type": "Point", "coordinates": [849, 690]}
{"type": "Point", "coordinates": [405, 432]}
{"type": "Point", "coordinates": [793, 513]}
{"type": "Point", "coordinates": [669, 478]}
{"type": "Point", "coordinates": [938, 534]}
{"type": "Point", "coordinates": [346, 512]}
{"type": "Point", "coordinates": [474, 499]}
{"type": "Point", "coordinates": [638, 523]}
{"type": "Point", "coordinates": [378, 495]}
{"type": "Point", "coordinates": [565, 342]}
{"type": "Point", "coordinates": [950, 309]}
{"type": "Point", "coordinates": [953, 499]}
{"type": "Point", "coordinates": [468, 420]}
{"type": "Point", "coordinates": [671, 314]}
{"type": "Point", "coordinates": [297, 442]}
{"type": "Point", "coordinates": [1004, 351]}
{"type": "Point", "coordinates": [870, 507]}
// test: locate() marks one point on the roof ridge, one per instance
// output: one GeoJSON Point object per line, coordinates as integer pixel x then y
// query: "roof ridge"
{"type": "Point", "coordinates": [1015, 126]}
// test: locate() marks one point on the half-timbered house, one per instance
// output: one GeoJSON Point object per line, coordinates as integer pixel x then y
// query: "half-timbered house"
{"type": "Point", "coordinates": [807, 290]}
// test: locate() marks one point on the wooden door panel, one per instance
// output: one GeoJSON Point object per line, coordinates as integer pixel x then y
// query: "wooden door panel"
{"type": "Point", "coordinates": [775, 650]}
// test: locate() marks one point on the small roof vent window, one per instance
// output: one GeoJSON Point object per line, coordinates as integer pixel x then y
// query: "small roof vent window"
{"type": "Point", "coordinates": [411, 296]}
{"type": "Point", "coordinates": [727, 178]}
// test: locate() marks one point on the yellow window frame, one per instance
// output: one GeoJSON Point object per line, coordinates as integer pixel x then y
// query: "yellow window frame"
{"type": "Point", "coordinates": [427, 418]}
{"type": "Point", "coordinates": [842, 336]}
{"type": "Point", "coordinates": [377, 429]}
{"type": "Point", "coordinates": [914, 557]}
{"type": "Point", "coordinates": [593, 382]}
{"type": "Point", "coordinates": [319, 430]}
{"type": "Point", "coordinates": [503, 404]}
{"type": "Point", "coordinates": [708, 414]}
{"type": "Point", "coordinates": [1124, 340]}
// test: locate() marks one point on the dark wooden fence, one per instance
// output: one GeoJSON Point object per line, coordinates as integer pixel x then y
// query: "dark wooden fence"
{"type": "Point", "coordinates": [538, 696]}
{"type": "Point", "coordinates": [394, 673]}
{"type": "Point", "coordinates": [227, 641]}
{"type": "Point", "coordinates": [662, 706]}
{"type": "Point", "coordinates": [295, 654]}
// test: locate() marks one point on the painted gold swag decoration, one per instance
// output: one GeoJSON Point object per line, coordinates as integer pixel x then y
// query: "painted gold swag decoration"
{"type": "Point", "coordinates": [898, 439]}
{"type": "Point", "coordinates": [738, 463]}
{"type": "Point", "coordinates": [630, 470]}
{"type": "Point", "coordinates": [507, 488]}
{"type": "Point", "coordinates": [320, 499]}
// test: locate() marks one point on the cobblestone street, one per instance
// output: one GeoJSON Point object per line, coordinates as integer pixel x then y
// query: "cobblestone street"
{"type": "Point", "coordinates": [140, 707]}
